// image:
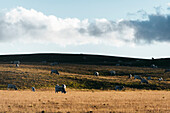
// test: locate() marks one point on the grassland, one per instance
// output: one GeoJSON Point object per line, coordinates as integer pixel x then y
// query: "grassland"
{"type": "Point", "coordinates": [85, 91]}
{"type": "Point", "coordinates": [85, 101]}
{"type": "Point", "coordinates": [81, 76]}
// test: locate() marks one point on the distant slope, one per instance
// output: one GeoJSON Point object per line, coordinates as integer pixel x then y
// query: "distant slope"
{"type": "Point", "coordinates": [85, 59]}
{"type": "Point", "coordinates": [65, 58]}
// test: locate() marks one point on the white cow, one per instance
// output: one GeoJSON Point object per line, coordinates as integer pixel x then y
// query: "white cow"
{"type": "Point", "coordinates": [96, 73]}
{"type": "Point", "coordinates": [12, 86]}
{"type": "Point", "coordinates": [130, 76]}
{"type": "Point", "coordinates": [17, 65]}
{"type": "Point", "coordinates": [112, 72]}
{"type": "Point", "coordinates": [160, 79]}
{"type": "Point", "coordinates": [119, 88]}
{"type": "Point", "coordinates": [60, 88]}
{"type": "Point", "coordinates": [154, 66]}
{"type": "Point", "coordinates": [55, 71]}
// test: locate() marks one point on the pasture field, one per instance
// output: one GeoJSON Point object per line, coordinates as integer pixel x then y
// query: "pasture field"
{"type": "Point", "coordinates": [85, 101]}
{"type": "Point", "coordinates": [81, 76]}
{"type": "Point", "coordinates": [85, 91]}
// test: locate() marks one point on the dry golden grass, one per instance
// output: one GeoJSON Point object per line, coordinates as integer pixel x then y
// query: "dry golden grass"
{"type": "Point", "coordinates": [82, 76]}
{"type": "Point", "coordinates": [85, 101]}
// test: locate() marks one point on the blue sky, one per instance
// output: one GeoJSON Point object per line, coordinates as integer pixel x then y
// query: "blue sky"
{"type": "Point", "coordinates": [82, 9]}
{"type": "Point", "coordinates": [130, 28]}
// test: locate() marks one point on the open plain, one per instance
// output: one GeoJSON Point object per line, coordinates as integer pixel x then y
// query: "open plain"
{"type": "Point", "coordinates": [86, 92]}
{"type": "Point", "coordinates": [85, 101]}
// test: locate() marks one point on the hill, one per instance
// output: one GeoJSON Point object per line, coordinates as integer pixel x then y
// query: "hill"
{"type": "Point", "coordinates": [85, 59]}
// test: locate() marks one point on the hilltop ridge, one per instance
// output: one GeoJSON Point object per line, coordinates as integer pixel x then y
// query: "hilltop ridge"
{"type": "Point", "coordinates": [85, 59]}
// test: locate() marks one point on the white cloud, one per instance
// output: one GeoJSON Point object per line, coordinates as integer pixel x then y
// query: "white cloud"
{"type": "Point", "coordinates": [168, 4]}
{"type": "Point", "coordinates": [29, 26]}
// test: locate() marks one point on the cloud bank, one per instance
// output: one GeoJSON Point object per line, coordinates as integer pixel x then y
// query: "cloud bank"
{"type": "Point", "coordinates": [31, 26]}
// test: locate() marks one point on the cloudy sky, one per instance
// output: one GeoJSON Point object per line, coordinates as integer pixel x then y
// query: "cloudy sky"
{"type": "Point", "coordinates": [132, 28]}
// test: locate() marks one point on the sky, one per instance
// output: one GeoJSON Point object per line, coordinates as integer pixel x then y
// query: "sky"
{"type": "Point", "coordinates": [127, 28]}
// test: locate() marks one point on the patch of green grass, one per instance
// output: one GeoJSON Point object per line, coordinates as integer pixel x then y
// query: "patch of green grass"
{"type": "Point", "coordinates": [80, 77]}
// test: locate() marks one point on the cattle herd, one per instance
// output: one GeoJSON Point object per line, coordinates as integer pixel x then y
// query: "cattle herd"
{"type": "Point", "coordinates": [63, 87]}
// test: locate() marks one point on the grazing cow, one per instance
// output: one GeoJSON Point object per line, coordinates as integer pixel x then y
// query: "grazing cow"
{"type": "Point", "coordinates": [60, 88]}
{"type": "Point", "coordinates": [33, 89]}
{"type": "Point", "coordinates": [149, 78]}
{"type": "Point", "coordinates": [17, 65]}
{"type": "Point", "coordinates": [96, 73]}
{"type": "Point", "coordinates": [154, 66]}
{"type": "Point", "coordinates": [160, 79]}
{"type": "Point", "coordinates": [55, 71]}
{"type": "Point", "coordinates": [119, 88]}
{"type": "Point", "coordinates": [144, 81]}
{"type": "Point", "coordinates": [137, 77]}
{"type": "Point", "coordinates": [130, 76]}
{"type": "Point", "coordinates": [167, 70]}
{"type": "Point", "coordinates": [112, 72]}
{"type": "Point", "coordinates": [12, 86]}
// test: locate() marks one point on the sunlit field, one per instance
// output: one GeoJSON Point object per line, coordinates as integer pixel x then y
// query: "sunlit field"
{"type": "Point", "coordinates": [81, 76]}
{"type": "Point", "coordinates": [85, 101]}
{"type": "Point", "coordinates": [85, 91]}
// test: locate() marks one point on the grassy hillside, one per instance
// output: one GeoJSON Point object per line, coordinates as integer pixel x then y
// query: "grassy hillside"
{"type": "Point", "coordinates": [80, 76]}
{"type": "Point", "coordinates": [77, 71]}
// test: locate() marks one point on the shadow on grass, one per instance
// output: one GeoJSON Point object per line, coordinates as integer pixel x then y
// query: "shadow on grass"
{"type": "Point", "coordinates": [105, 85]}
